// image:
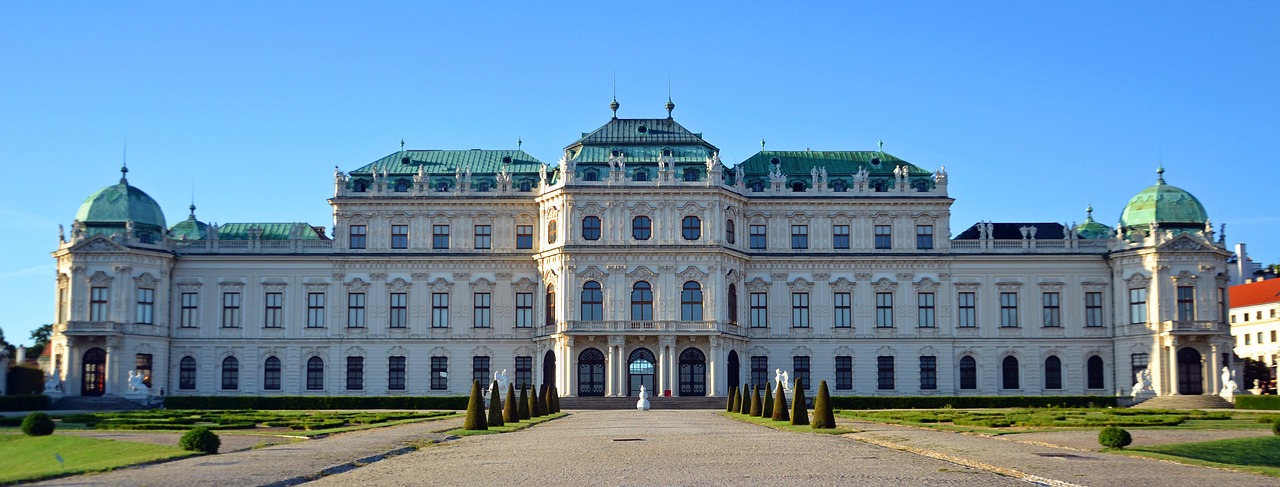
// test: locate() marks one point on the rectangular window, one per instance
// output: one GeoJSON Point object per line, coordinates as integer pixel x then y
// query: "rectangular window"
{"type": "Point", "coordinates": [62, 305]}
{"type": "Point", "coordinates": [1052, 310]}
{"type": "Point", "coordinates": [524, 236]}
{"type": "Point", "coordinates": [230, 310]}
{"type": "Point", "coordinates": [142, 362]}
{"type": "Point", "coordinates": [1008, 310]}
{"type": "Point", "coordinates": [524, 371]}
{"type": "Point", "coordinates": [884, 310]}
{"type": "Point", "coordinates": [524, 310]}
{"type": "Point", "coordinates": [399, 236]}
{"type": "Point", "coordinates": [844, 372]}
{"type": "Point", "coordinates": [355, 373]}
{"type": "Point", "coordinates": [759, 370]}
{"type": "Point", "coordinates": [1273, 336]}
{"type": "Point", "coordinates": [273, 310]}
{"type": "Point", "coordinates": [439, 310]}
{"type": "Point", "coordinates": [840, 237]}
{"type": "Point", "coordinates": [800, 366]}
{"type": "Point", "coordinates": [399, 317]}
{"type": "Point", "coordinates": [1138, 305]}
{"type": "Point", "coordinates": [924, 237]}
{"type": "Point", "coordinates": [190, 310]}
{"type": "Point", "coordinates": [759, 310]}
{"type": "Point", "coordinates": [967, 315]}
{"type": "Point", "coordinates": [357, 237]}
{"type": "Point", "coordinates": [355, 310]}
{"type": "Point", "coordinates": [440, 236]}
{"type": "Point", "coordinates": [1092, 309]}
{"type": "Point", "coordinates": [799, 310]}
{"type": "Point", "coordinates": [484, 236]}
{"type": "Point", "coordinates": [98, 304]}
{"type": "Point", "coordinates": [799, 236]}
{"type": "Point", "coordinates": [315, 310]}
{"type": "Point", "coordinates": [1139, 361]}
{"type": "Point", "coordinates": [925, 310]}
{"type": "Point", "coordinates": [843, 310]}
{"type": "Point", "coordinates": [1187, 304]}
{"type": "Point", "coordinates": [884, 236]}
{"type": "Point", "coordinates": [480, 370]}
{"type": "Point", "coordinates": [395, 373]}
{"type": "Point", "coordinates": [884, 372]}
{"type": "Point", "coordinates": [928, 372]}
{"type": "Point", "coordinates": [1248, 339]}
{"type": "Point", "coordinates": [146, 306]}
{"type": "Point", "coordinates": [480, 311]}
{"type": "Point", "coordinates": [439, 373]}
{"type": "Point", "coordinates": [758, 236]}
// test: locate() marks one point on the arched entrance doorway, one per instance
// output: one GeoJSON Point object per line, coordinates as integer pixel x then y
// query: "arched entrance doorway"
{"type": "Point", "coordinates": [590, 373]}
{"type": "Point", "coordinates": [93, 373]}
{"type": "Point", "coordinates": [642, 368]}
{"type": "Point", "coordinates": [734, 370]}
{"type": "Point", "coordinates": [1190, 372]}
{"type": "Point", "coordinates": [693, 372]}
{"type": "Point", "coordinates": [549, 368]}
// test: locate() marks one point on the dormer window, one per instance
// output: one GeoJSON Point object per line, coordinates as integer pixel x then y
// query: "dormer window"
{"type": "Point", "coordinates": [757, 186]}
{"type": "Point", "coordinates": [875, 161]}
{"type": "Point", "coordinates": [797, 187]}
{"type": "Point", "coordinates": [690, 174]}
{"type": "Point", "coordinates": [839, 186]}
{"type": "Point", "coordinates": [442, 186]}
{"type": "Point", "coordinates": [642, 129]}
{"type": "Point", "coordinates": [879, 186]}
{"type": "Point", "coordinates": [526, 186]}
{"type": "Point", "coordinates": [483, 187]}
{"type": "Point", "coordinates": [642, 175]}
{"type": "Point", "coordinates": [506, 159]}
{"type": "Point", "coordinates": [775, 161]}
{"type": "Point", "coordinates": [402, 186]}
{"type": "Point", "coordinates": [666, 152]}
{"type": "Point", "coordinates": [591, 175]}
{"type": "Point", "coordinates": [405, 160]}
{"type": "Point", "coordinates": [921, 186]}
{"type": "Point", "coordinates": [615, 153]}
{"type": "Point", "coordinates": [360, 186]}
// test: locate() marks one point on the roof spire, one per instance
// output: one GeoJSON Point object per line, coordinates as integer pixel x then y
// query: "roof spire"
{"type": "Point", "coordinates": [124, 164]}
{"type": "Point", "coordinates": [880, 145]}
{"type": "Point", "coordinates": [193, 200]}
{"type": "Point", "coordinates": [1160, 173]}
{"type": "Point", "coordinates": [670, 106]}
{"type": "Point", "coordinates": [1088, 212]}
{"type": "Point", "coordinates": [519, 143]}
{"type": "Point", "coordinates": [614, 106]}
{"type": "Point", "coordinates": [401, 145]}
{"type": "Point", "coordinates": [762, 144]}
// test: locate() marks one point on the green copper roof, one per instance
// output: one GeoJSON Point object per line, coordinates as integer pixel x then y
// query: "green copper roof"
{"type": "Point", "coordinates": [641, 131]}
{"type": "Point", "coordinates": [1164, 204]}
{"type": "Point", "coordinates": [840, 165]}
{"type": "Point", "coordinates": [1091, 229]}
{"type": "Point", "coordinates": [644, 154]}
{"type": "Point", "coordinates": [269, 231]}
{"type": "Point", "coordinates": [440, 162]}
{"type": "Point", "coordinates": [189, 229]}
{"type": "Point", "coordinates": [119, 203]}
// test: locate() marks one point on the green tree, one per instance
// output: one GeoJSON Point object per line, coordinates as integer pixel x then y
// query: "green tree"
{"type": "Point", "coordinates": [547, 406]}
{"type": "Point", "coordinates": [535, 403]}
{"type": "Point", "coordinates": [1255, 369]}
{"type": "Point", "coordinates": [555, 399]}
{"type": "Point", "coordinates": [510, 410]}
{"type": "Point", "coordinates": [495, 406]}
{"type": "Point", "coordinates": [744, 406]}
{"type": "Point", "coordinates": [475, 410]}
{"type": "Point", "coordinates": [523, 406]}
{"type": "Point", "coordinates": [755, 401]}
{"type": "Point", "coordinates": [766, 409]}
{"type": "Point", "coordinates": [728, 407]}
{"type": "Point", "coordinates": [4, 344]}
{"type": "Point", "coordinates": [823, 416]}
{"type": "Point", "coordinates": [799, 407]}
{"type": "Point", "coordinates": [39, 338]}
{"type": "Point", "coordinates": [780, 405]}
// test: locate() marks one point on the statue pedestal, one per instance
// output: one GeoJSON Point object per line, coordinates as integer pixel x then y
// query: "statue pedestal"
{"type": "Point", "coordinates": [1228, 394]}
{"type": "Point", "coordinates": [1257, 391]}
{"type": "Point", "coordinates": [53, 395]}
{"type": "Point", "coordinates": [140, 397]}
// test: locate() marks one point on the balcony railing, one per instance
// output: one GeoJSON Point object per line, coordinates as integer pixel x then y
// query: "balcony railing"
{"type": "Point", "coordinates": [1193, 327]}
{"type": "Point", "coordinates": [647, 326]}
{"type": "Point", "coordinates": [1030, 245]}
{"type": "Point", "coordinates": [215, 246]}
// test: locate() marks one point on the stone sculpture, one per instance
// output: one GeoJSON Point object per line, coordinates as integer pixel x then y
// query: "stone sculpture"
{"type": "Point", "coordinates": [643, 403]}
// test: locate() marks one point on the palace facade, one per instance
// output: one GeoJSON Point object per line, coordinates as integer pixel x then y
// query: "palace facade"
{"type": "Point", "coordinates": [640, 259]}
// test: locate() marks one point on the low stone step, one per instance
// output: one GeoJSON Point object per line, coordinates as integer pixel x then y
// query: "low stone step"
{"type": "Point", "coordinates": [630, 402]}
{"type": "Point", "coordinates": [1185, 402]}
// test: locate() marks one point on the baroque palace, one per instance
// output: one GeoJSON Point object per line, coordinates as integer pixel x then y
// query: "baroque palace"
{"type": "Point", "coordinates": [639, 259]}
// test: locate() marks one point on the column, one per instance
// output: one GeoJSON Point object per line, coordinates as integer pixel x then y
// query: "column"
{"type": "Point", "coordinates": [570, 369]}
{"type": "Point", "coordinates": [1213, 381]}
{"type": "Point", "coordinates": [715, 367]}
{"type": "Point", "coordinates": [609, 372]}
{"type": "Point", "coordinates": [1171, 362]}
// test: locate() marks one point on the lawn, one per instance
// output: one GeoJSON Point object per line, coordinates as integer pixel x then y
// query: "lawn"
{"type": "Point", "coordinates": [785, 425]}
{"type": "Point", "coordinates": [1258, 455]}
{"type": "Point", "coordinates": [303, 423]}
{"type": "Point", "coordinates": [1016, 420]}
{"type": "Point", "coordinates": [24, 458]}
{"type": "Point", "coordinates": [509, 427]}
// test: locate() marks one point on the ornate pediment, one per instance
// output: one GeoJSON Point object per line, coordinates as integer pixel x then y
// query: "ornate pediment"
{"type": "Point", "coordinates": [641, 273]}
{"type": "Point", "coordinates": [441, 286]}
{"type": "Point", "coordinates": [525, 285]}
{"type": "Point", "coordinates": [691, 208]}
{"type": "Point", "coordinates": [1183, 243]}
{"type": "Point", "coordinates": [357, 285]}
{"type": "Point", "coordinates": [642, 209]}
{"type": "Point", "coordinates": [842, 285]}
{"type": "Point", "coordinates": [884, 285]}
{"type": "Point", "coordinates": [692, 273]}
{"type": "Point", "coordinates": [800, 285]}
{"type": "Point", "coordinates": [757, 285]}
{"type": "Point", "coordinates": [146, 281]}
{"type": "Point", "coordinates": [925, 285]}
{"type": "Point", "coordinates": [100, 279]}
{"type": "Point", "coordinates": [1137, 280]}
{"type": "Point", "coordinates": [97, 243]}
{"type": "Point", "coordinates": [592, 273]}
{"type": "Point", "coordinates": [274, 286]}
{"type": "Point", "coordinates": [398, 285]}
{"type": "Point", "coordinates": [482, 285]}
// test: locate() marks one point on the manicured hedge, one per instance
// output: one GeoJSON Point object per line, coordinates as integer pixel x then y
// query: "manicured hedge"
{"type": "Point", "coordinates": [936, 402]}
{"type": "Point", "coordinates": [315, 402]}
{"type": "Point", "coordinates": [35, 402]}
{"type": "Point", "coordinates": [1257, 402]}
{"type": "Point", "coordinates": [25, 380]}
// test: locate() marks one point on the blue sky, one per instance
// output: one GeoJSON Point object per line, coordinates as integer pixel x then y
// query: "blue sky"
{"type": "Point", "coordinates": [1036, 108]}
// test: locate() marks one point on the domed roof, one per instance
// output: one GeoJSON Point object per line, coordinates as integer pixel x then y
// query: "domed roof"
{"type": "Point", "coordinates": [189, 229]}
{"type": "Point", "coordinates": [1164, 204]}
{"type": "Point", "coordinates": [1091, 229]}
{"type": "Point", "coordinates": [119, 203]}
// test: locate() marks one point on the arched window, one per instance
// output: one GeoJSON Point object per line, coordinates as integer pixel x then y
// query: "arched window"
{"type": "Point", "coordinates": [1052, 372]}
{"type": "Point", "coordinates": [641, 302]}
{"type": "Point", "coordinates": [591, 175]}
{"type": "Point", "coordinates": [230, 374]}
{"type": "Point", "coordinates": [968, 373]}
{"type": "Point", "coordinates": [691, 302]}
{"type": "Point", "coordinates": [1093, 373]}
{"type": "Point", "coordinates": [402, 185]}
{"type": "Point", "coordinates": [730, 232]}
{"type": "Point", "coordinates": [591, 228]}
{"type": "Point", "coordinates": [551, 232]}
{"type": "Point", "coordinates": [690, 174]}
{"type": "Point", "coordinates": [1009, 373]}
{"type": "Point", "coordinates": [315, 374]}
{"type": "Point", "coordinates": [442, 186]}
{"type": "Point", "coordinates": [797, 187]}
{"type": "Point", "coordinates": [642, 175]}
{"type": "Point", "coordinates": [691, 228]}
{"type": "Point", "coordinates": [551, 305]}
{"type": "Point", "coordinates": [641, 227]}
{"type": "Point", "coordinates": [187, 373]}
{"type": "Point", "coordinates": [271, 374]}
{"type": "Point", "coordinates": [733, 304]}
{"type": "Point", "coordinates": [592, 302]}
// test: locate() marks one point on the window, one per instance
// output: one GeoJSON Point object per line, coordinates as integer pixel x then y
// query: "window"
{"type": "Point", "coordinates": [924, 310]}
{"type": "Point", "coordinates": [799, 310]}
{"type": "Point", "coordinates": [439, 373]}
{"type": "Point", "coordinates": [591, 228]}
{"type": "Point", "coordinates": [439, 310]}
{"type": "Point", "coordinates": [402, 186]}
{"type": "Point", "coordinates": [641, 301]}
{"type": "Point", "coordinates": [1187, 304]}
{"type": "Point", "coordinates": [641, 228]}
{"type": "Point", "coordinates": [758, 236]}
{"type": "Point", "coordinates": [884, 310]}
{"type": "Point", "coordinates": [591, 175]}
{"type": "Point", "coordinates": [230, 374]}
{"type": "Point", "coordinates": [844, 372]}
{"type": "Point", "coordinates": [884, 237]}
{"type": "Point", "coordinates": [271, 374]}
{"type": "Point", "coordinates": [1052, 310]}
{"type": "Point", "coordinates": [1247, 339]}
{"type": "Point", "coordinates": [399, 236]}
{"type": "Point", "coordinates": [355, 373]}
{"type": "Point", "coordinates": [1138, 305]}
{"type": "Point", "coordinates": [968, 373]}
{"type": "Point", "coordinates": [799, 237]}
{"type": "Point", "coordinates": [1094, 379]}
{"type": "Point", "coordinates": [1053, 373]}
{"type": "Point", "coordinates": [759, 310]}
{"type": "Point", "coordinates": [524, 310]}
{"type": "Point", "coordinates": [483, 236]}
{"type": "Point", "coordinates": [800, 369]}
{"type": "Point", "coordinates": [524, 371]}
{"type": "Point", "coordinates": [928, 372]}
{"type": "Point", "coordinates": [968, 311]}
{"type": "Point", "coordinates": [526, 186]}
{"type": "Point", "coordinates": [315, 374]}
{"type": "Point", "coordinates": [592, 308]}
{"type": "Point", "coordinates": [187, 373]}
{"type": "Point", "coordinates": [642, 175]}
{"type": "Point", "coordinates": [1008, 310]}
{"type": "Point", "coordinates": [480, 310]}
{"type": "Point", "coordinates": [480, 370]}
{"type": "Point", "coordinates": [98, 304]}
{"type": "Point", "coordinates": [691, 302]}
{"type": "Point", "coordinates": [395, 373]}
{"type": "Point", "coordinates": [551, 305]}
{"type": "Point", "coordinates": [355, 310]}
{"type": "Point", "coordinates": [730, 232]}
{"type": "Point", "coordinates": [142, 362]}
{"type": "Point", "coordinates": [843, 317]}
{"type": "Point", "coordinates": [924, 237]}
{"type": "Point", "coordinates": [1273, 336]}
{"type": "Point", "coordinates": [230, 310]}
{"type": "Point", "coordinates": [690, 174]}
{"type": "Point", "coordinates": [357, 237]}
{"type": "Point", "coordinates": [884, 372]}
{"type": "Point", "coordinates": [551, 232]}
{"type": "Point", "coordinates": [840, 237]}
{"type": "Point", "coordinates": [399, 317]}
{"type": "Point", "coordinates": [1092, 309]}
{"type": "Point", "coordinates": [315, 310]}
{"type": "Point", "coordinates": [146, 306]}
{"type": "Point", "coordinates": [524, 236]}
{"type": "Point", "coordinates": [273, 314]}
{"type": "Point", "coordinates": [440, 236]}
{"type": "Point", "coordinates": [733, 304]}
{"type": "Point", "coordinates": [691, 228]}
{"type": "Point", "coordinates": [1009, 373]}
{"type": "Point", "coordinates": [759, 370]}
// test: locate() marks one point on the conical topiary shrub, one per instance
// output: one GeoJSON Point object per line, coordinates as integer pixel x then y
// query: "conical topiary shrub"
{"type": "Point", "coordinates": [780, 405]}
{"type": "Point", "coordinates": [475, 410]}
{"type": "Point", "coordinates": [799, 408]}
{"type": "Point", "coordinates": [555, 399]}
{"type": "Point", "coordinates": [523, 406]}
{"type": "Point", "coordinates": [823, 416]}
{"type": "Point", "coordinates": [535, 402]}
{"type": "Point", "coordinates": [766, 406]}
{"type": "Point", "coordinates": [495, 406]}
{"type": "Point", "coordinates": [547, 407]}
{"type": "Point", "coordinates": [510, 411]}
{"type": "Point", "coordinates": [755, 401]}
{"type": "Point", "coordinates": [728, 407]}
{"type": "Point", "coordinates": [744, 407]}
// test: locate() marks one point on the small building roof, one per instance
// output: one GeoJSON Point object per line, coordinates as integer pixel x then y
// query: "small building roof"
{"type": "Point", "coordinates": [407, 162]}
{"type": "Point", "coordinates": [641, 131]}
{"type": "Point", "coordinates": [1013, 231]}
{"type": "Point", "coordinates": [1255, 293]}
{"type": "Point", "coordinates": [269, 231]}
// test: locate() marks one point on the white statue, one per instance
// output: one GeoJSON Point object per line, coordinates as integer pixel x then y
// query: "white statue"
{"type": "Point", "coordinates": [542, 175]}
{"type": "Point", "coordinates": [1142, 384]}
{"type": "Point", "coordinates": [739, 176]}
{"type": "Point", "coordinates": [776, 175]}
{"type": "Point", "coordinates": [502, 378]}
{"type": "Point", "coordinates": [1229, 385]}
{"type": "Point", "coordinates": [813, 174]}
{"type": "Point", "coordinates": [54, 382]}
{"type": "Point", "coordinates": [822, 173]}
{"type": "Point", "coordinates": [135, 382]}
{"type": "Point", "coordinates": [783, 378]}
{"type": "Point", "coordinates": [643, 403]}
{"type": "Point", "coordinates": [618, 163]}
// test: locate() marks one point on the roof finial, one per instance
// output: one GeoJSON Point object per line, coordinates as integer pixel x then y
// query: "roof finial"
{"type": "Point", "coordinates": [1088, 212]}
{"type": "Point", "coordinates": [193, 200]}
{"type": "Point", "coordinates": [401, 145]}
{"type": "Point", "coordinates": [1160, 172]}
{"type": "Point", "coordinates": [124, 164]}
{"type": "Point", "coordinates": [881, 146]}
{"type": "Point", "coordinates": [614, 106]}
{"type": "Point", "coordinates": [519, 143]}
{"type": "Point", "coordinates": [762, 144]}
{"type": "Point", "coordinates": [670, 106]}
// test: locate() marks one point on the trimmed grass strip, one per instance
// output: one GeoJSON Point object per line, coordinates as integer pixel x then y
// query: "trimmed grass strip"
{"type": "Point", "coordinates": [26, 458]}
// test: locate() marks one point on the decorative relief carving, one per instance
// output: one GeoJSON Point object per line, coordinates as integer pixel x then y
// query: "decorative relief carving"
{"type": "Point", "coordinates": [800, 285]}
{"type": "Point", "coordinates": [906, 276]}
{"type": "Point", "coordinates": [967, 286]}
{"type": "Point", "coordinates": [925, 285]}
{"type": "Point", "coordinates": [1137, 280]}
{"type": "Point", "coordinates": [641, 273]}
{"type": "Point", "coordinates": [821, 276]}
{"type": "Point", "coordinates": [482, 285]}
{"type": "Point", "coordinates": [274, 286]}
{"type": "Point", "coordinates": [862, 276]}
{"type": "Point", "coordinates": [692, 273]}
{"type": "Point", "coordinates": [462, 276]}
{"type": "Point", "coordinates": [398, 285]}
{"type": "Point", "coordinates": [377, 276]}
{"type": "Point", "coordinates": [420, 276]}
{"type": "Point", "coordinates": [757, 285]}
{"type": "Point", "coordinates": [188, 285]}
{"type": "Point", "coordinates": [146, 281]}
{"type": "Point", "coordinates": [884, 285]}
{"type": "Point", "coordinates": [778, 276]}
{"type": "Point", "coordinates": [524, 285]}
{"type": "Point", "coordinates": [1009, 286]}
{"type": "Point", "coordinates": [123, 269]}
{"type": "Point", "coordinates": [592, 273]}
{"type": "Point", "coordinates": [1185, 277]}
{"type": "Point", "coordinates": [357, 285]}
{"type": "Point", "coordinates": [1094, 286]}
{"type": "Point", "coordinates": [315, 286]}
{"type": "Point", "coordinates": [1184, 243]}
{"type": "Point", "coordinates": [441, 286]}
{"type": "Point", "coordinates": [1050, 286]}
{"type": "Point", "coordinates": [503, 276]}
{"type": "Point", "coordinates": [842, 285]}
